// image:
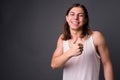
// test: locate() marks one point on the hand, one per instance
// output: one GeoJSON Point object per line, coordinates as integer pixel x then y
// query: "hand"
{"type": "Point", "coordinates": [76, 48]}
{"type": "Point", "coordinates": [80, 47]}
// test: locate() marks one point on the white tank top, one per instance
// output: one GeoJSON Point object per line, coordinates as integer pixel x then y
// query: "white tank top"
{"type": "Point", "coordinates": [85, 66]}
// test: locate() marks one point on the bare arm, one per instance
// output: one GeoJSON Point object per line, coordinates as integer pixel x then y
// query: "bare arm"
{"type": "Point", "coordinates": [102, 48]}
{"type": "Point", "coordinates": [59, 58]}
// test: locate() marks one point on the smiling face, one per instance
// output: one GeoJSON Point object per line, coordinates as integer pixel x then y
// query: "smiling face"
{"type": "Point", "coordinates": [76, 18]}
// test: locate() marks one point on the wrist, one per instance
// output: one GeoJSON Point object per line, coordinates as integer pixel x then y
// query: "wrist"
{"type": "Point", "coordinates": [68, 54]}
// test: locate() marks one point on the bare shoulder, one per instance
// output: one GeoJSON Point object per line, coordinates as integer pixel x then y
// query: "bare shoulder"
{"type": "Point", "coordinates": [60, 41]}
{"type": "Point", "coordinates": [97, 34]}
{"type": "Point", "coordinates": [59, 48]}
{"type": "Point", "coordinates": [60, 38]}
{"type": "Point", "coordinates": [98, 37]}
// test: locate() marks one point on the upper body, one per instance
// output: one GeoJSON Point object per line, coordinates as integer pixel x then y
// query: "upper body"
{"type": "Point", "coordinates": [85, 66]}
{"type": "Point", "coordinates": [78, 31]}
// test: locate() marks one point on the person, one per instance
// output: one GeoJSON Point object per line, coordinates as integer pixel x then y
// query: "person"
{"type": "Point", "coordinates": [80, 50]}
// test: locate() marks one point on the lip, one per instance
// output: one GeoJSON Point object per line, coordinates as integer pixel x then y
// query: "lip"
{"type": "Point", "coordinates": [75, 23]}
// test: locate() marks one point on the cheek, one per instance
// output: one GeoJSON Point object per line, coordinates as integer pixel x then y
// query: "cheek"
{"type": "Point", "coordinates": [68, 19]}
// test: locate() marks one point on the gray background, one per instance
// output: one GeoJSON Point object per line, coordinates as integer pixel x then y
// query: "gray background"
{"type": "Point", "coordinates": [29, 30]}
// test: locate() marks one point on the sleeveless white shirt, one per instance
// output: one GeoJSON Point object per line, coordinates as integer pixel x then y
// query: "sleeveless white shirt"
{"type": "Point", "coordinates": [85, 66]}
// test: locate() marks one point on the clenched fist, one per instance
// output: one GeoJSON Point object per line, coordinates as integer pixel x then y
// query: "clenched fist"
{"type": "Point", "coordinates": [76, 48]}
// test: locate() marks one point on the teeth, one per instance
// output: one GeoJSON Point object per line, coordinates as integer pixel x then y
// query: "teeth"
{"type": "Point", "coordinates": [75, 22]}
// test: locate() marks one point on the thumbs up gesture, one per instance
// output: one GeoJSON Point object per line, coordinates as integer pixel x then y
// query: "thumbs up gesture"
{"type": "Point", "coordinates": [76, 48]}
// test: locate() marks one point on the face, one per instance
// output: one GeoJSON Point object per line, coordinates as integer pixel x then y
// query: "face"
{"type": "Point", "coordinates": [76, 18]}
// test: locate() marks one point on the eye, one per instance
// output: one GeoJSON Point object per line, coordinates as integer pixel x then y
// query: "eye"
{"type": "Point", "coordinates": [81, 15]}
{"type": "Point", "coordinates": [71, 14]}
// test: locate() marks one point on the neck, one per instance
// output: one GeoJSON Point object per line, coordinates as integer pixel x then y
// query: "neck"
{"type": "Point", "coordinates": [76, 34]}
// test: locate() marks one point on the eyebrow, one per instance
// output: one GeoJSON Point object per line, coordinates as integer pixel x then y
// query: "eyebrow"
{"type": "Point", "coordinates": [78, 13]}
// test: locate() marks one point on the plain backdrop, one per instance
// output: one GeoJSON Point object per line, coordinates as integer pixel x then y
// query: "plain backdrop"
{"type": "Point", "coordinates": [29, 30]}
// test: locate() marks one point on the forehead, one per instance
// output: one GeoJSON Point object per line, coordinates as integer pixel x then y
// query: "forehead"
{"type": "Point", "coordinates": [77, 10]}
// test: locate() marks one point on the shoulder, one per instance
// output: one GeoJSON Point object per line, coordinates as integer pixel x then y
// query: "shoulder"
{"type": "Point", "coordinates": [97, 33]}
{"type": "Point", "coordinates": [98, 37]}
{"type": "Point", "coordinates": [60, 40]}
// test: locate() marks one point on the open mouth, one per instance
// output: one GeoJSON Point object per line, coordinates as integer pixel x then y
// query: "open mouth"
{"type": "Point", "coordinates": [75, 23]}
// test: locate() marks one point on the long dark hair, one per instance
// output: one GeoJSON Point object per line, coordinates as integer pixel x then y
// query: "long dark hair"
{"type": "Point", "coordinates": [85, 30]}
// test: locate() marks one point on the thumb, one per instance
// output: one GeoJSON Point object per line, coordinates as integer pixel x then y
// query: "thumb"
{"type": "Point", "coordinates": [75, 40]}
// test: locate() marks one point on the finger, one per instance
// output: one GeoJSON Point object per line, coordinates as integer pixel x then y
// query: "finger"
{"type": "Point", "coordinates": [80, 47]}
{"type": "Point", "coordinates": [80, 44]}
{"type": "Point", "coordinates": [81, 50]}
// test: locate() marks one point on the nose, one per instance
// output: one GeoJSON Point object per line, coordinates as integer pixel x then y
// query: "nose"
{"type": "Point", "coordinates": [76, 17]}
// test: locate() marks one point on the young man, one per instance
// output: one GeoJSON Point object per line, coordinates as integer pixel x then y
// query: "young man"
{"type": "Point", "coordinates": [80, 50]}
